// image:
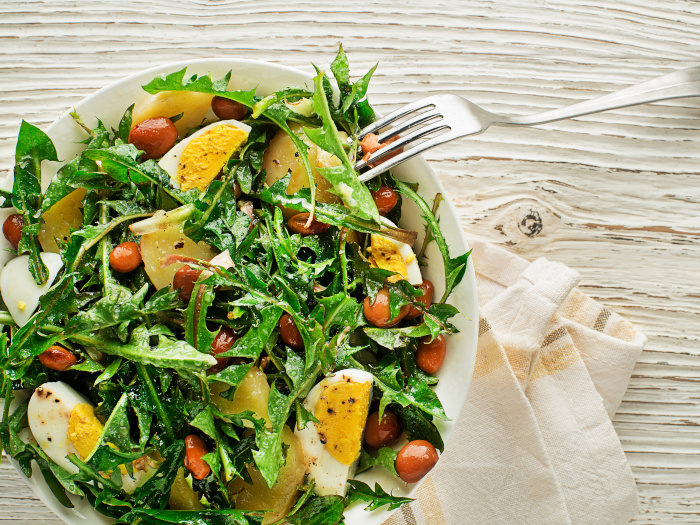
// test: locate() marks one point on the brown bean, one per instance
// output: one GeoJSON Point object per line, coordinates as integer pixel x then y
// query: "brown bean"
{"type": "Point", "coordinates": [154, 136]}
{"type": "Point", "coordinates": [195, 449]}
{"type": "Point", "coordinates": [370, 144]}
{"type": "Point", "coordinates": [415, 460]}
{"type": "Point", "coordinates": [379, 312]}
{"type": "Point", "coordinates": [12, 229]}
{"type": "Point", "coordinates": [289, 332]}
{"type": "Point", "coordinates": [426, 299]}
{"type": "Point", "coordinates": [385, 198]}
{"type": "Point", "coordinates": [431, 354]}
{"type": "Point", "coordinates": [184, 280]}
{"type": "Point", "coordinates": [298, 225]}
{"type": "Point", "coordinates": [382, 433]}
{"type": "Point", "coordinates": [223, 342]}
{"type": "Point", "coordinates": [227, 109]}
{"type": "Point", "coordinates": [126, 257]}
{"type": "Point", "coordinates": [57, 358]}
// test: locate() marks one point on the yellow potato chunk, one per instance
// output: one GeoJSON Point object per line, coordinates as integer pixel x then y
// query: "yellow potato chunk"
{"type": "Point", "coordinates": [171, 103]}
{"type": "Point", "coordinates": [283, 494]}
{"type": "Point", "coordinates": [281, 156]}
{"type": "Point", "coordinates": [163, 242]}
{"type": "Point", "coordinates": [205, 156]}
{"type": "Point", "coordinates": [342, 413]}
{"type": "Point", "coordinates": [63, 216]}
{"type": "Point", "coordinates": [182, 496]}
{"type": "Point", "coordinates": [251, 394]}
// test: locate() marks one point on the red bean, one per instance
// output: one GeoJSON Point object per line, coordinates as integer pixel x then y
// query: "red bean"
{"type": "Point", "coordinates": [184, 280]}
{"type": "Point", "coordinates": [379, 312]}
{"type": "Point", "coordinates": [227, 109]}
{"type": "Point", "coordinates": [195, 449]}
{"type": "Point", "coordinates": [57, 358]}
{"type": "Point", "coordinates": [223, 342]}
{"type": "Point", "coordinates": [298, 225]}
{"type": "Point", "coordinates": [126, 257]}
{"type": "Point", "coordinates": [426, 299]}
{"type": "Point", "coordinates": [415, 460]}
{"type": "Point", "coordinates": [289, 332]}
{"type": "Point", "coordinates": [431, 354]}
{"type": "Point", "coordinates": [154, 136]}
{"type": "Point", "coordinates": [12, 229]}
{"type": "Point", "coordinates": [385, 433]}
{"type": "Point", "coordinates": [385, 198]}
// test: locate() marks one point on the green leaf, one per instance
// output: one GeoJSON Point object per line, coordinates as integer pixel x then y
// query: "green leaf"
{"type": "Point", "coordinates": [33, 147]}
{"type": "Point", "coordinates": [116, 429]}
{"type": "Point", "coordinates": [419, 425]}
{"type": "Point", "coordinates": [199, 517]}
{"type": "Point", "coordinates": [156, 491]}
{"type": "Point", "coordinates": [231, 375]}
{"type": "Point", "coordinates": [396, 337]}
{"type": "Point", "coordinates": [344, 178]}
{"type": "Point", "coordinates": [196, 332]}
{"type": "Point", "coordinates": [168, 353]}
{"type": "Point", "coordinates": [333, 214]}
{"type": "Point", "coordinates": [325, 510]}
{"type": "Point", "coordinates": [253, 341]}
{"type": "Point", "coordinates": [125, 124]}
{"type": "Point", "coordinates": [456, 267]}
{"type": "Point", "coordinates": [385, 457]}
{"type": "Point", "coordinates": [376, 498]}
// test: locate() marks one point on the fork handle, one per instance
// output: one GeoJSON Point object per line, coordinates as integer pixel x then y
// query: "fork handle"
{"type": "Point", "coordinates": [679, 84]}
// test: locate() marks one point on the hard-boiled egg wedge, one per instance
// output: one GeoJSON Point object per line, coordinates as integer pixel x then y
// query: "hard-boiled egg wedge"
{"type": "Point", "coordinates": [7, 252]}
{"type": "Point", "coordinates": [332, 447]}
{"type": "Point", "coordinates": [396, 256]}
{"type": "Point", "coordinates": [63, 422]}
{"type": "Point", "coordinates": [196, 161]}
{"type": "Point", "coordinates": [19, 289]}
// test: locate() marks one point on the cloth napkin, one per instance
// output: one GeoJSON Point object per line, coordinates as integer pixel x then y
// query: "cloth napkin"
{"type": "Point", "coordinates": [534, 443]}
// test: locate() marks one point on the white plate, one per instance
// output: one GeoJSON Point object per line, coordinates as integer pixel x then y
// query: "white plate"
{"type": "Point", "coordinates": [455, 375]}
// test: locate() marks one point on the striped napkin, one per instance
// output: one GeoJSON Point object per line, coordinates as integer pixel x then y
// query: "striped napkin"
{"type": "Point", "coordinates": [534, 443]}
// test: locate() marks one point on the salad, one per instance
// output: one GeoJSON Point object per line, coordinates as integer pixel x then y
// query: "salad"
{"type": "Point", "coordinates": [208, 318]}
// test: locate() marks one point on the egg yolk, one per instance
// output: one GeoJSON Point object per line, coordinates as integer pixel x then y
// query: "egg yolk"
{"type": "Point", "coordinates": [84, 429]}
{"type": "Point", "coordinates": [385, 255]}
{"type": "Point", "coordinates": [205, 156]}
{"type": "Point", "coordinates": [342, 413]}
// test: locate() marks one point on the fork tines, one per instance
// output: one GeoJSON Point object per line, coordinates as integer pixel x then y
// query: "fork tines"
{"type": "Point", "coordinates": [424, 116]}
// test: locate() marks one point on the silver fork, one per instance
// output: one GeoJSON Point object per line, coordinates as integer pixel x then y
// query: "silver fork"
{"type": "Point", "coordinates": [438, 119]}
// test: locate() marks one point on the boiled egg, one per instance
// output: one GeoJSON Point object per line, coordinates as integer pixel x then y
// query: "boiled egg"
{"type": "Point", "coordinates": [331, 447]}
{"type": "Point", "coordinates": [197, 160]}
{"type": "Point", "coordinates": [63, 422]}
{"type": "Point", "coordinates": [19, 289]}
{"type": "Point", "coordinates": [396, 256]}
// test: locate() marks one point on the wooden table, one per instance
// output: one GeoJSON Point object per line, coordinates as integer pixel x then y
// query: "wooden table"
{"type": "Point", "coordinates": [615, 195]}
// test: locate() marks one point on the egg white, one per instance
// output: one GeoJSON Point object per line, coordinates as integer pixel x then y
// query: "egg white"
{"type": "Point", "coordinates": [329, 474]}
{"type": "Point", "coordinates": [19, 291]}
{"type": "Point", "coordinates": [171, 160]}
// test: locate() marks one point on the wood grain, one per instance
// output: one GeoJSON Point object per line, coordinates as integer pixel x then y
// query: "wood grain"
{"type": "Point", "coordinates": [615, 195]}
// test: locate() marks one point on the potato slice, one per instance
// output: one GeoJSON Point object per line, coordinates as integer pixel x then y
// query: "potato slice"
{"type": "Point", "coordinates": [182, 495]}
{"type": "Point", "coordinates": [63, 216]}
{"type": "Point", "coordinates": [194, 107]}
{"type": "Point", "coordinates": [163, 242]}
{"type": "Point", "coordinates": [281, 156]}
{"type": "Point", "coordinates": [283, 494]}
{"type": "Point", "coordinates": [251, 394]}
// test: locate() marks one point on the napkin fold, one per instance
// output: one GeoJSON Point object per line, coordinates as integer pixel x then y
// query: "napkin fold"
{"type": "Point", "coordinates": [534, 443]}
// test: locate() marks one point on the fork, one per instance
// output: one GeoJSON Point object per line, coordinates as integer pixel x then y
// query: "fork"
{"type": "Point", "coordinates": [438, 119]}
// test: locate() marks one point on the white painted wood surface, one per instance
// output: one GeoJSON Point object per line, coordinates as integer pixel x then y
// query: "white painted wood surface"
{"type": "Point", "coordinates": [617, 194]}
